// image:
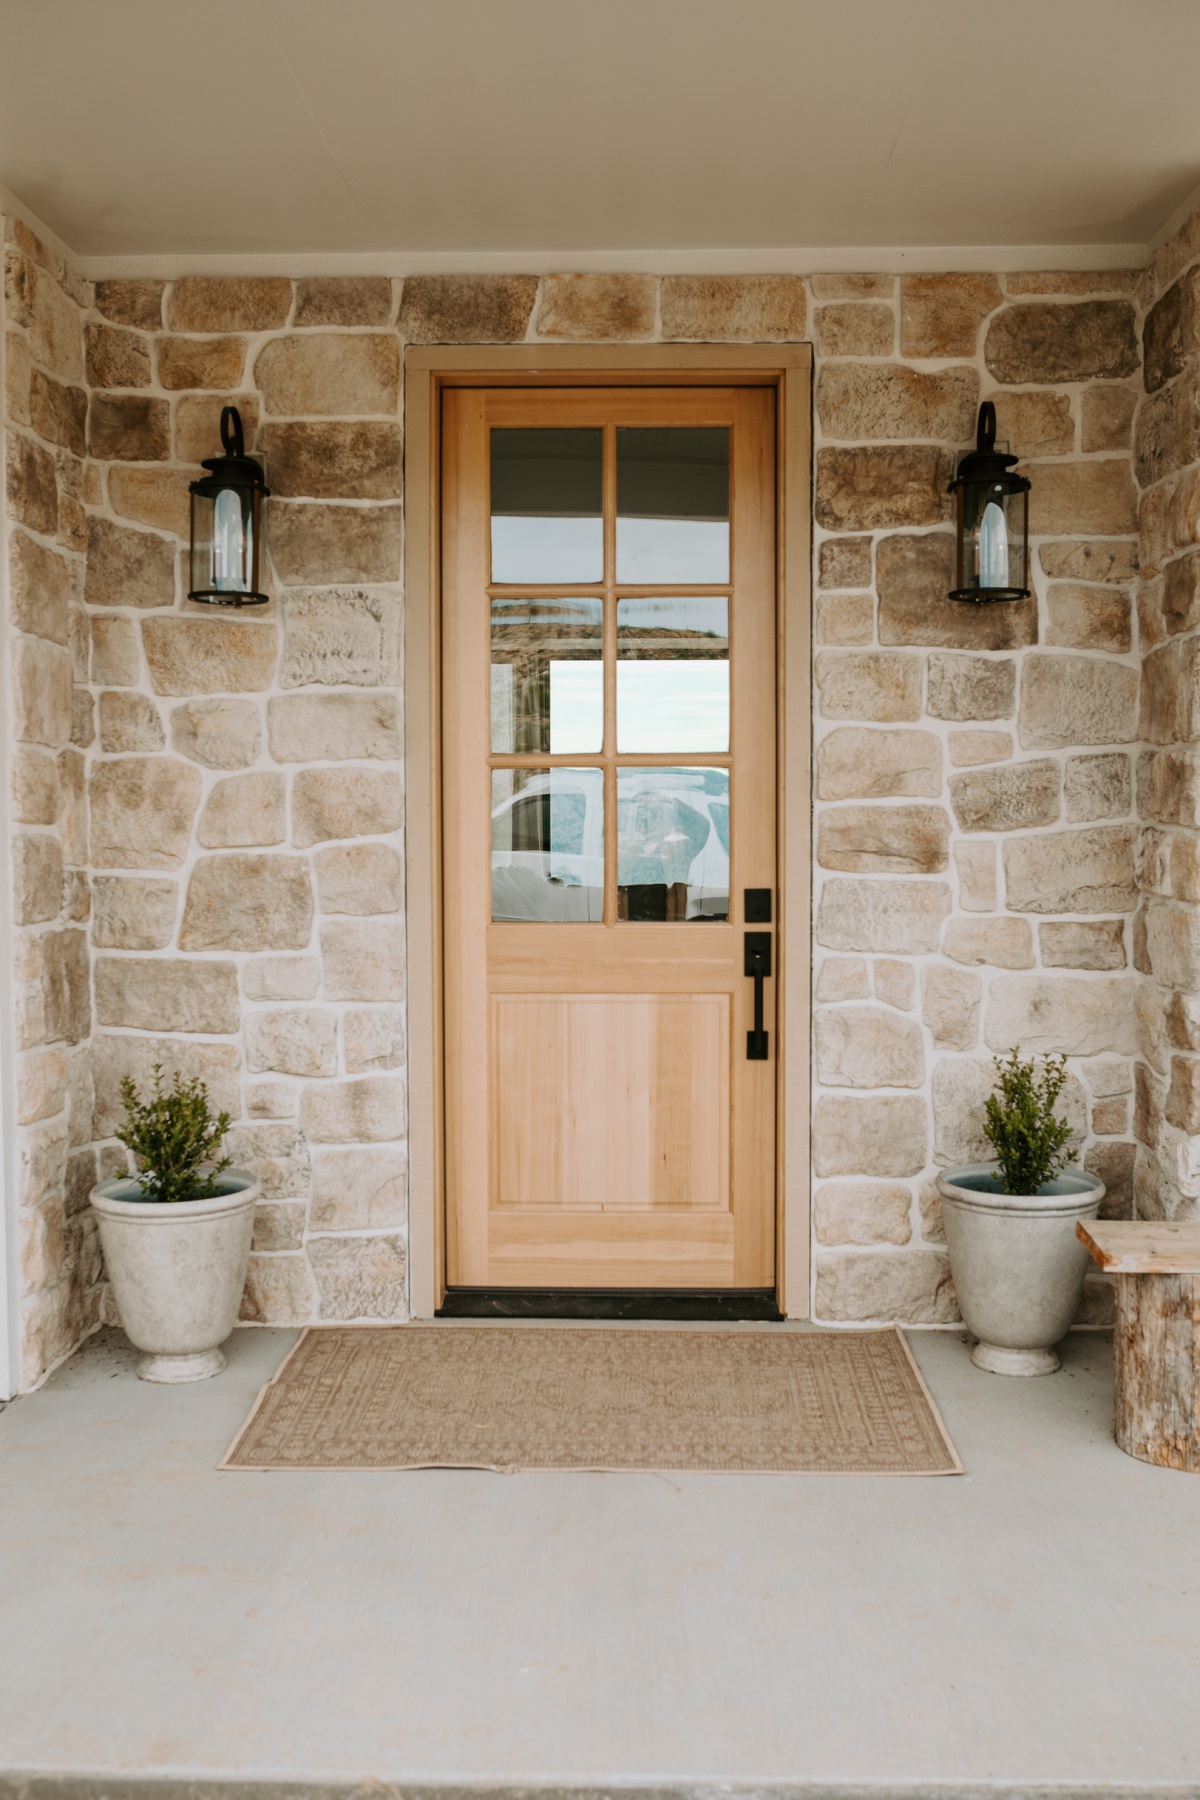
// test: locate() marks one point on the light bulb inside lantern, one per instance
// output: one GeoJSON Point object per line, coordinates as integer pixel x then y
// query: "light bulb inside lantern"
{"type": "Point", "coordinates": [229, 542]}
{"type": "Point", "coordinates": [993, 547]}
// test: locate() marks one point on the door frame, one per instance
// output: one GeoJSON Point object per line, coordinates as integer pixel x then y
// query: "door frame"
{"type": "Point", "coordinates": [427, 370]}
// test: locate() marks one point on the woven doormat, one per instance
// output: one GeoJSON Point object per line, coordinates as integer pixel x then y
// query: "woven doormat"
{"type": "Point", "coordinates": [511, 1397]}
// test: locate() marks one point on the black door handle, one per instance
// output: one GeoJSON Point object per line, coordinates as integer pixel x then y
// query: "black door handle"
{"type": "Point", "coordinates": [758, 966]}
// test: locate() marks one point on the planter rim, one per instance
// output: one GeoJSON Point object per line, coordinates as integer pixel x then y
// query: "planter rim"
{"type": "Point", "coordinates": [156, 1212]}
{"type": "Point", "coordinates": [1085, 1191]}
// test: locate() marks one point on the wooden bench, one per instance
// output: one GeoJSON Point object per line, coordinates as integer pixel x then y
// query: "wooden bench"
{"type": "Point", "coordinates": [1156, 1347]}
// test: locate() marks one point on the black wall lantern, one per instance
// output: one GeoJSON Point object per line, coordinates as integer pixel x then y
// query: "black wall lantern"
{"type": "Point", "coordinates": [227, 523]}
{"type": "Point", "coordinates": [993, 521]}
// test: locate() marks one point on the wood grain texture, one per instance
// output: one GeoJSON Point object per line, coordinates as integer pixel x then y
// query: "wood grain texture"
{"type": "Point", "coordinates": [1156, 1347]}
{"type": "Point", "coordinates": [1143, 1246]}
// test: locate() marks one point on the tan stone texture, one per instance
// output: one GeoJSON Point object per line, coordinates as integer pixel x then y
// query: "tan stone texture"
{"type": "Point", "coordinates": [200, 362]}
{"type": "Point", "coordinates": [585, 308]}
{"type": "Point", "coordinates": [167, 994]}
{"type": "Point", "coordinates": [950, 1001]}
{"type": "Point", "coordinates": [970, 748]}
{"type": "Point", "coordinates": [1000, 943]}
{"type": "Point", "coordinates": [278, 1225]}
{"type": "Point", "coordinates": [35, 792]}
{"type": "Point", "coordinates": [359, 879]}
{"type": "Point", "coordinates": [856, 763]}
{"type": "Point", "coordinates": [971, 687]}
{"type": "Point", "coordinates": [41, 1086]}
{"type": "Point", "coordinates": [850, 330]}
{"type": "Point", "coordinates": [210, 656]}
{"type": "Point", "coordinates": [128, 568]}
{"type": "Point", "coordinates": [881, 687]}
{"type": "Point", "coordinates": [343, 300]}
{"type": "Point", "coordinates": [364, 960]}
{"type": "Point", "coordinates": [976, 868]}
{"type": "Point", "coordinates": [862, 1212]}
{"type": "Point", "coordinates": [248, 901]}
{"type": "Point", "coordinates": [1048, 342]}
{"type": "Point", "coordinates": [243, 811]}
{"type": "Point", "coordinates": [361, 1189]}
{"type": "Point", "coordinates": [1107, 418]}
{"type": "Point", "coordinates": [875, 487]}
{"type": "Point", "coordinates": [373, 1039]}
{"type": "Point", "coordinates": [359, 1277]}
{"type": "Point", "coordinates": [466, 309]}
{"type": "Point", "coordinates": [1082, 943]}
{"type": "Point", "coordinates": [344, 803]}
{"type": "Point", "coordinates": [83, 726]}
{"type": "Point", "coordinates": [34, 299]}
{"type": "Point", "coordinates": [961, 1085]}
{"type": "Point", "coordinates": [340, 637]}
{"type": "Point", "coordinates": [142, 809]}
{"type": "Point", "coordinates": [1170, 697]}
{"type": "Point", "coordinates": [1104, 561]}
{"type": "Point", "coordinates": [229, 303]}
{"type": "Point", "coordinates": [1097, 787]}
{"type": "Point", "coordinates": [278, 1291]}
{"type": "Point", "coordinates": [40, 585]}
{"type": "Point", "coordinates": [844, 562]}
{"type": "Point", "coordinates": [886, 840]}
{"type": "Point", "coordinates": [1061, 1013]}
{"type": "Point", "coordinates": [866, 400]}
{"type": "Point", "coordinates": [157, 497]}
{"type": "Point", "coordinates": [42, 693]}
{"type": "Point", "coordinates": [1110, 1118]}
{"type": "Point", "coordinates": [845, 618]}
{"type": "Point", "coordinates": [1169, 331]}
{"type": "Point", "coordinates": [336, 460]}
{"type": "Point", "coordinates": [1169, 787]}
{"type": "Point", "coordinates": [115, 1056]}
{"type": "Point", "coordinates": [1071, 701]}
{"type": "Point", "coordinates": [1167, 433]}
{"type": "Point", "coordinates": [17, 367]}
{"type": "Point", "coordinates": [37, 878]}
{"type": "Point", "coordinates": [282, 978]}
{"type": "Point", "coordinates": [1173, 957]}
{"type": "Point", "coordinates": [726, 309]}
{"type": "Point", "coordinates": [1034, 424]}
{"type": "Point", "coordinates": [1071, 281]}
{"type": "Point", "coordinates": [853, 286]}
{"type": "Point", "coordinates": [914, 576]}
{"type": "Point", "coordinates": [277, 1155]}
{"type": "Point", "coordinates": [137, 303]}
{"type": "Point", "coordinates": [270, 1100]}
{"type": "Point", "coordinates": [116, 358]}
{"type": "Point", "coordinates": [1016, 797]}
{"type": "Point", "coordinates": [58, 412]}
{"type": "Point", "coordinates": [128, 428]}
{"type": "Point", "coordinates": [30, 485]}
{"type": "Point", "coordinates": [1114, 1164]}
{"type": "Point", "coordinates": [221, 734]}
{"type": "Point", "coordinates": [325, 542]}
{"type": "Point", "coordinates": [133, 913]}
{"type": "Point", "coordinates": [297, 1041]}
{"type": "Point", "coordinates": [940, 315]}
{"type": "Point", "coordinates": [1181, 593]}
{"type": "Point", "coordinates": [896, 918]}
{"type": "Point", "coordinates": [1107, 1076]}
{"type": "Point", "coordinates": [198, 425]}
{"type": "Point", "coordinates": [1088, 618]}
{"type": "Point", "coordinates": [912, 1286]}
{"type": "Point", "coordinates": [115, 658]}
{"type": "Point", "coordinates": [129, 722]}
{"type": "Point", "coordinates": [867, 1047]}
{"type": "Point", "coordinates": [329, 374]}
{"type": "Point", "coordinates": [1087, 871]}
{"type": "Point", "coordinates": [367, 1110]}
{"type": "Point", "coordinates": [877, 1134]}
{"type": "Point", "coordinates": [843, 978]}
{"type": "Point", "coordinates": [1093, 498]}
{"type": "Point", "coordinates": [333, 727]}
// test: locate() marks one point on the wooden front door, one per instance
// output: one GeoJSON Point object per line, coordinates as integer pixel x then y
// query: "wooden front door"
{"type": "Point", "coordinates": [609, 834]}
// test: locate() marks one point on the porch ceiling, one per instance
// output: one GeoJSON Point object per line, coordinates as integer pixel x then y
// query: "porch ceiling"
{"type": "Point", "coordinates": [463, 130]}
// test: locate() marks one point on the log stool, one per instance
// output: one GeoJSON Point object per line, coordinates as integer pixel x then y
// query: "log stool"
{"type": "Point", "coordinates": [1156, 1346]}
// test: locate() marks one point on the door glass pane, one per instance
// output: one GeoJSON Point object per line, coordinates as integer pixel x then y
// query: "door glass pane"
{"type": "Point", "coordinates": [673, 503]}
{"type": "Point", "coordinates": [548, 844]}
{"type": "Point", "coordinates": [547, 677]}
{"type": "Point", "coordinates": [547, 505]}
{"type": "Point", "coordinates": [672, 844]}
{"type": "Point", "coordinates": [673, 675]}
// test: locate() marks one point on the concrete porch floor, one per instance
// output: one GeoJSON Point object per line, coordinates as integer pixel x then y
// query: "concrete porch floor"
{"type": "Point", "coordinates": [1035, 1622]}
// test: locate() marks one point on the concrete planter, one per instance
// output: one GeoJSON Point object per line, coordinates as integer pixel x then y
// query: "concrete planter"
{"type": "Point", "coordinates": [177, 1271]}
{"type": "Point", "coordinates": [1017, 1264]}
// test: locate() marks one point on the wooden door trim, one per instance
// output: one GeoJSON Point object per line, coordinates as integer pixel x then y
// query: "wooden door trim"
{"type": "Point", "coordinates": [787, 368]}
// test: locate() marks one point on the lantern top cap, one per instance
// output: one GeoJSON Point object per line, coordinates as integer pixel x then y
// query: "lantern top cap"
{"type": "Point", "coordinates": [986, 464]}
{"type": "Point", "coordinates": [234, 468]}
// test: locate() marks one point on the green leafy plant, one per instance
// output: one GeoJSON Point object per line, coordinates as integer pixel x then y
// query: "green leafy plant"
{"type": "Point", "coordinates": [1031, 1144]}
{"type": "Point", "coordinates": [175, 1138]}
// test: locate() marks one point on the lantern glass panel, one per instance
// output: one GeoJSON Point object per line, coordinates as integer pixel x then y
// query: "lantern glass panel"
{"type": "Point", "coordinates": [992, 539]}
{"type": "Point", "coordinates": [225, 538]}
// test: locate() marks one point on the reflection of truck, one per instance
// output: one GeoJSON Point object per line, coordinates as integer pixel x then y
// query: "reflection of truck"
{"type": "Point", "coordinates": [672, 844]}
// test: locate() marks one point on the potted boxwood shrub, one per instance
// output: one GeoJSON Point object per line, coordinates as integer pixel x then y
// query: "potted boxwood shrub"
{"type": "Point", "coordinates": [176, 1236]}
{"type": "Point", "coordinates": [1017, 1264]}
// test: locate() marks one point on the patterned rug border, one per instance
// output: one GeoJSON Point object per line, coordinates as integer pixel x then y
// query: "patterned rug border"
{"type": "Point", "coordinates": [228, 1465]}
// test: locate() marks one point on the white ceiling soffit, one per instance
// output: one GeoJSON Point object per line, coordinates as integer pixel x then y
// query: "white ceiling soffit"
{"type": "Point", "coordinates": [408, 135]}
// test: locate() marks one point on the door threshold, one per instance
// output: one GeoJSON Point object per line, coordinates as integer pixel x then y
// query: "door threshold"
{"type": "Point", "coordinates": [713, 1304]}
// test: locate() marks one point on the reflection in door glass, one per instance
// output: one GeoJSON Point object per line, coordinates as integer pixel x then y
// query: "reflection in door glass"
{"type": "Point", "coordinates": [673, 503]}
{"type": "Point", "coordinates": [547, 504]}
{"type": "Point", "coordinates": [547, 677]}
{"type": "Point", "coordinates": [673, 675]}
{"type": "Point", "coordinates": [672, 844]}
{"type": "Point", "coordinates": [548, 844]}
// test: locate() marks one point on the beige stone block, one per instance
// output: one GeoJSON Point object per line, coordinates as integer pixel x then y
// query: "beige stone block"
{"type": "Point", "coordinates": [845, 618]}
{"type": "Point", "coordinates": [42, 692]}
{"type": "Point", "coordinates": [72, 783]}
{"type": "Point", "coordinates": [1015, 797]}
{"type": "Point", "coordinates": [895, 983]}
{"type": "Point", "coordinates": [116, 660]}
{"type": "Point", "coordinates": [1072, 871]}
{"type": "Point", "coordinates": [1036, 424]}
{"type": "Point", "coordinates": [844, 562]}
{"type": "Point", "coordinates": [58, 412]}
{"type": "Point", "coordinates": [39, 587]}
{"type": "Point", "coordinates": [278, 1291]}
{"type": "Point", "coordinates": [364, 960]}
{"type": "Point", "coordinates": [1183, 1095]}
{"type": "Point", "coordinates": [133, 912]}
{"type": "Point", "coordinates": [1048, 342]}
{"type": "Point", "coordinates": [1166, 433]}
{"type": "Point", "coordinates": [198, 425]}
{"type": "Point", "coordinates": [950, 1002]}
{"type": "Point", "coordinates": [35, 794]}
{"type": "Point", "coordinates": [971, 687]}
{"type": "Point", "coordinates": [137, 303]}
{"type": "Point", "coordinates": [1173, 956]}
{"type": "Point", "coordinates": [116, 1056]}
{"type": "Point", "coordinates": [278, 1225]}
{"type": "Point", "coordinates": [1078, 1015]}
{"type": "Point", "coordinates": [1092, 499]}
{"type": "Point", "coordinates": [1181, 593]}
{"type": "Point", "coordinates": [757, 309]}
{"type": "Point", "coordinates": [270, 1100]}
{"type": "Point", "coordinates": [157, 497]}
{"type": "Point", "coordinates": [961, 1085]}
{"type": "Point", "coordinates": [340, 637]}
{"type": "Point", "coordinates": [1082, 944]}
{"type": "Point", "coordinates": [37, 877]}
{"type": "Point", "coordinates": [869, 685]}
{"type": "Point", "coordinates": [30, 484]}
{"type": "Point", "coordinates": [1098, 787]}
{"type": "Point", "coordinates": [200, 362]}
{"type": "Point", "coordinates": [360, 1277]}
{"type": "Point", "coordinates": [359, 879]}
{"type": "Point", "coordinates": [334, 727]}
{"type": "Point", "coordinates": [129, 428]}
{"type": "Point", "coordinates": [245, 900]}
{"type": "Point", "coordinates": [1003, 943]}
{"type": "Point", "coordinates": [1071, 281]}
{"type": "Point", "coordinates": [296, 1041]}
{"type": "Point", "coordinates": [330, 541]}
{"type": "Point", "coordinates": [373, 1040]}
{"type": "Point", "coordinates": [884, 840]}
{"type": "Point", "coordinates": [129, 722]}
{"type": "Point", "coordinates": [1108, 1076]}
{"type": "Point", "coordinates": [862, 1212]}
{"type": "Point", "coordinates": [892, 918]}
{"type": "Point", "coordinates": [976, 868]}
{"type": "Point", "coordinates": [940, 315]}
{"type": "Point", "coordinates": [466, 309]}
{"type": "Point", "coordinates": [34, 299]}
{"type": "Point", "coordinates": [83, 725]}
{"type": "Point", "coordinates": [17, 369]}
{"type": "Point", "coordinates": [853, 286]}
{"type": "Point", "coordinates": [243, 811]}
{"type": "Point", "coordinates": [877, 1134]}
{"type": "Point", "coordinates": [128, 568]}
{"type": "Point", "coordinates": [1185, 868]}
{"type": "Point", "coordinates": [345, 803]}
{"type": "Point", "coordinates": [853, 763]}
{"type": "Point", "coordinates": [855, 330]}
{"type": "Point", "coordinates": [210, 656]}
{"type": "Point", "coordinates": [41, 1085]}
{"type": "Point", "coordinates": [142, 812]}
{"type": "Point", "coordinates": [167, 994]}
{"type": "Point", "coordinates": [1170, 695]}
{"type": "Point", "coordinates": [1070, 701]}
{"type": "Point", "coordinates": [910, 1286]}
{"type": "Point", "coordinates": [1107, 417]}
{"type": "Point", "coordinates": [359, 1189]}
{"type": "Point", "coordinates": [343, 300]}
{"type": "Point", "coordinates": [116, 358]}
{"type": "Point", "coordinates": [1088, 618]}
{"type": "Point", "coordinates": [1110, 1118]}
{"type": "Point", "coordinates": [587, 308]}
{"type": "Point", "coordinates": [229, 303]}
{"type": "Point", "coordinates": [857, 401]}
{"type": "Point", "coordinates": [80, 1090]}
{"type": "Point", "coordinates": [42, 1165]}
{"type": "Point", "coordinates": [367, 1110]}
{"type": "Point", "coordinates": [1113, 560]}
{"type": "Point", "coordinates": [875, 487]}
{"type": "Point", "coordinates": [1169, 331]}
{"type": "Point", "coordinates": [843, 978]}
{"type": "Point", "coordinates": [1114, 1164]}
{"type": "Point", "coordinates": [282, 978]}
{"type": "Point", "coordinates": [72, 524]}
{"type": "Point", "coordinates": [968, 749]}
{"type": "Point", "coordinates": [914, 576]}
{"type": "Point", "coordinates": [330, 374]}
{"type": "Point", "coordinates": [867, 1047]}
{"type": "Point", "coordinates": [221, 734]}
{"type": "Point", "coordinates": [1169, 786]}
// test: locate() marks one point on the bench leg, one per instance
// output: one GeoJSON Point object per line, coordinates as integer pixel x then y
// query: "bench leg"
{"type": "Point", "coordinates": [1157, 1354]}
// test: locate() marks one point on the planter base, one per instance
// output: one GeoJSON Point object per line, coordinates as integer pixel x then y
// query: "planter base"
{"type": "Point", "coordinates": [174, 1369]}
{"type": "Point", "coordinates": [997, 1359]}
